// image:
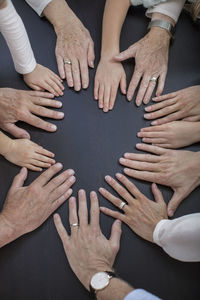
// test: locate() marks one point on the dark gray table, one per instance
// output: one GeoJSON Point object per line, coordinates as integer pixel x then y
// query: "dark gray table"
{"type": "Point", "coordinates": [91, 142]}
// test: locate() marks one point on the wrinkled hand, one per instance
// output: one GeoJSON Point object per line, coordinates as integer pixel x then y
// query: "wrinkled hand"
{"type": "Point", "coordinates": [87, 249]}
{"type": "Point", "coordinates": [140, 213]}
{"type": "Point", "coordinates": [174, 135]}
{"type": "Point", "coordinates": [179, 170]}
{"type": "Point", "coordinates": [151, 60]}
{"type": "Point", "coordinates": [74, 43]}
{"type": "Point", "coordinates": [109, 76]}
{"type": "Point", "coordinates": [183, 104]}
{"type": "Point", "coordinates": [27, 106]}
{"type": "Point", "coordinates": [27, 154]}
{"type": "Point", "coordinates": [41, 79]}
{"type": "Point", "coordinates": [27, 207]}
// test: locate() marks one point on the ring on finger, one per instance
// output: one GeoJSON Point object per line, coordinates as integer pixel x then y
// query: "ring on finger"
{"type": "Point", "coordinates": [154, 79]}
{"type": "Point", "coordinates": [74, 225]}
{"type": "Point", "coordinates": [67, 61]}
{"type": "Point", "coordinates": [122, 204]}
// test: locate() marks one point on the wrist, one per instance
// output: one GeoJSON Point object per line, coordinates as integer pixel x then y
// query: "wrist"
{"type": "Point", "coordinates": [159, 16]}
{"type": "Point", "coordinates": [6, 145]}
{"type": "Point", "coordinates": [91, 272]}
{"type": "Point", "coordinates": [7, 231]}
{"type": "Point", "coordinates": [109, 54]}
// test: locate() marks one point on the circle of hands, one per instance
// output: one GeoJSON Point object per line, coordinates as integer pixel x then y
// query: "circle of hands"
{"type": "Point", "coordinates": [175, 124]}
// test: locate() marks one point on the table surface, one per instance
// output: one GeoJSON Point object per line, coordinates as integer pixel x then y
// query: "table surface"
{"type": "Point", "coordinates": [91, 142]}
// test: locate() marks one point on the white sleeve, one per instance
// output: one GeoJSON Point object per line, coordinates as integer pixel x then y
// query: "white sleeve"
{"type": "Point", "coordinates": [14, 32]}
{"type": "Point", "coordinates": [38, 5]}
{"type": "Point", "coordinates": [180, 238]}
{"type": "Point", "coordinates": [171, 8]}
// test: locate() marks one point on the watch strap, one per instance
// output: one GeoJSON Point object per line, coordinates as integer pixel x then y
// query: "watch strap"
{"type": "Point", "coordinates": [163, 24]}
{"type": "Point", "coordinates": [93, 291]}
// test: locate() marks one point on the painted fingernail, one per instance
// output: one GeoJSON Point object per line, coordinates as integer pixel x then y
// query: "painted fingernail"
{"type": "Point", "coordinates": [154, 123]}
{"type": "Point", "coordinates": [108, 178]}
{"type": "Point", "coordinates": [70, 172]}
{"type": "Point", "coordinates": [53, 127]}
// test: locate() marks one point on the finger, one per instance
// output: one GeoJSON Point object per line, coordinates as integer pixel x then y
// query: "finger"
{"type": "Point", "coordinates": [172, 117]}
{"type": "Point", "coordinates": [46, 112]}
{"type": "Point", "coordinates": [116, 232]}
{"type": "Point", "coordinates": [191, 119]}
{"type": "Point", "coordinates": [61, 68]}
{"type": "Point", "coordinates": [133, 85]}
{"type": "Point", "coordinates": [41, 94]}
{"type": "Point", "coordinates": [59, 180]}
{"type": "Point", "coordinates": [73, 218]}
{"type": "Point", "coordinates": [161, 105]}
{"type": "Point", "coordinates": [57, 89]}
{"type": "Point", "coordinates": [143, 88]}
{"type": "Point", "coordinates": [94, 210]}
{"type": "Point", "coordinates": [101, 95]}
{"type": "Point", "coordinates": [38, 163]}
{"type": "Point", "coordinates": [167, 146]}
{"type": "Point", "coordinates": [63, 188]}
{"type": "Point", "coordinates": [139, 165]}
{"type": "Point", "coordinates": [58, 81]}
{"type": "Point", "coordinates": [151, 149]}
{"type": "Point", "coordinates": [17, 132]}
{"type": "Point", "coordinates": [151, 134]}
{"type": "Point", "coordinates": [142, 157]}
{"type": "Point", "coordinates": [37, 122]}
{"type": "Point", "coordinates": [157, 194]}
{"type": "Point", "coordinates": [45, 152]}
{"type": "Point", "coordinates": [51, 87]}
{"type": "Point", "coordinates": [149, 91]}
{"type": "Point", "coordinates": [36, 87]}
{"type": "Point", "coordinates": [96, 89]}
{"type": "Point", "coordinates": [152, 129]}
{"type": "Point", "coordinates": [61, 230]}
{"type": "Point", "coordinates": [84, 73]}
{"type": "Point", "coordinates": [162, 112]}
{"type": "Point", "coordinates": [45, 159]}
{"type": "Point", "coordinates": [165, 97]}
{"type": "Point", "coordinates": [91, 54]}
{"type": "Point", "coordinates": [113, 214]}
{"type": "Point", "coordinates": [58, 202]}
{"type": "Point", "coordinates": [19, 179]}
{"type": "Point", "coordinates": [154, 141]}
{"type": "Point", "coordinates": [83, 211]}
{"type": "Point", "coordinates": [76, 75]}
{"type": "Point", "coordinates": [47, 102]}
{"type": "Point", "coordinates": [123, 84]}
{"type": "Point", "coordinates": [143, 175]}
{"type": "Point", "coordinates": [33, 168]}
{"type": "Point", "coordinates": [48, 174]}
{"type": "Point", "coordinates": [106, 98]}
{"type": "Point", "coordinates": [173, 204]}
{"type": "Point", "coordinates": [120, 190]}
{"type": "Point", "coordinates": [113, 95]}
{"type": "Point", "coordinates": [126, 54]}
{"type": "Point", "coordinates": [129, 185]}
{"type": "Point", "coordinates": [161, 83]}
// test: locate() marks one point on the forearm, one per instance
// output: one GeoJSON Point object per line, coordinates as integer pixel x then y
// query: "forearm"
{"type": "Point", "coordinates": [116, 290]}
{"type": "Point", "coordinates": [5, 143]}
{"type": "Point", "coordinates": [114, 15]}
{"type": "Point", "coordinates": [7, 233]}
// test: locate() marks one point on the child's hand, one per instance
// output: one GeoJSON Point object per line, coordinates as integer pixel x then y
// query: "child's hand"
{"type": "Point", "coordinates": [27, 154]}
{"type": "Point", "coordinates": [41, 79]}
{"type": "Point", "coordinates": [109, 76]}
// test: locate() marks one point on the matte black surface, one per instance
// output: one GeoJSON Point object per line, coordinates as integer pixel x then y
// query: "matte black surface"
{"type": "Point", "coordinates": [91, 142]}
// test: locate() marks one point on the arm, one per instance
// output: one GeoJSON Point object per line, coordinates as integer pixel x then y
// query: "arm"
{"type": "Point", "coordinates": [180, 238]}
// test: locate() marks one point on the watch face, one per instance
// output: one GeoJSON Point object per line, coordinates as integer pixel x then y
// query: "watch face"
{"type": "Point", "coordinates": [100, 280]}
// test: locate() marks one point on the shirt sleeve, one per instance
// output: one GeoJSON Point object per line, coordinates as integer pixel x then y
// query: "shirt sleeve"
{"type": "Point", "coordinates": [171, 8]}
{"type": "Point", "coordinates": [14, 32]}
{"type": "Point", "coordinates": [180, 238]}
{"type": "Point", "coordinates": [140, 294]}
{"type": "Point", "coordinates": [38, 5]}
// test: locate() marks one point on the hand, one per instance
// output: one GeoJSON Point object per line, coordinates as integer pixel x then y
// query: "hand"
{"type": "Point", "coordinates": [17, 105]}
{"type": "Point", "coordinates": [27, 154]}
{"type": "Point", "coordinates": [74, 43]}
{"type": "Point", "coordinates": [41, 79]}
{"type": "Point", "coordinates": [151, 60]}
{"type": "Point", "coordinates": [108, 77]}
{"type": "Point", "coordinates": [140, 213]}
{"type": "Point", "coordinates": [183, 104]}
{"type": "Point", "coordinates": [27, 207]}
{"type": "Point", "coordinates": [165, 167]}
{"type": "Point", "coordinates": [174, 135]}
{"type": "Point", "coordinates": [97, 253]}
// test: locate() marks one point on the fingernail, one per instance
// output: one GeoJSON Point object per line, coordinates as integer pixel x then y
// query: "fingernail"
{"type": "Point", "coordinates": [72, 179]}
{"type": "Point", "coordinates": [128, 98]}
{"type": "Point", "coordinates": [61, 114]}
{"type": "Point", "coordinates": [91, 64]}
{"type": "Point", "coordinates": [69, 192]}
{"type": "Point", "coordinates": [52, 95]}
{"type": "Point", "coordinates": [58, 166]}
{"type": "Point", "coordinates": [154, 123]}
{"type": "Point", "coordinates": [105, 109]}
{"type": "Point", "coordinates": [101, 189]}
{"type": "Point", "coordinates": [147, 116]}
{"type": "Point", "coordinates": [137, 103]}
{"type": "Point", "coordinates": [139, 134]}
{"type": "Point", "coordinates": [70, 172]}
{"type": "Point", "coordinates": [147, 108]}
{"type": "Point", "coordinates": [138, 145]}
{"type": "Point", "coordinates": [118, 175]}
{"type": "Point", "coordinates": [126, 155]}
{"type": "Point", "coordinates": [100, 105]}
{"type": "Point", "coordinates": [122, 160]}
{"type": "Point", "coordinates": [58, 104]}
{"type": "Point", "coordinates": [108, 178]}
{"type": "Point", "coordinates": [126, 170]}
{"type": "Point", "coordinates": [154, 98]}
{"type": "Point", "coordinates": [124, 91]}
{"type": "Point", "coordinates": [53, 127]}
{"type": "Point", "coordinates": [170, 213]}
{"type": "Point", "coordinates": [93, 194]}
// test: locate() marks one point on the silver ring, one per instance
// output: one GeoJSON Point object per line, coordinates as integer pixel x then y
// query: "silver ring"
{"type": "Point", "coordinates": [67, 61]}
{"type": "Point", "coordinates": [122, 204]}
{"type": "Point", "coordinates": [153, 79]}
{"type": "Point", "coordinates": [74, 225]}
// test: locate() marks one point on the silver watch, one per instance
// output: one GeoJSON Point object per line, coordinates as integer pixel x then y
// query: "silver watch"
{"type": "Point", "coordinates": [163, 24]}
{"type": "Point", "coordinates": [100, 281]}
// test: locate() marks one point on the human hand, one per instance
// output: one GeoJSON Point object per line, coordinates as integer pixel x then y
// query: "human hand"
{"type": "Point", "coordinates": [27, 207]}
{"type": "Point", "coordinates": [27, 106]}
{"type": "Point", "coordinates": [165, 166]}
{"type": "Point", "coordinates": [97, 253]}
{"type": "Point", "coordinates": [140, 213]}
{"type": "Point", "coordinates": [151, 60]}
{"type": "Point", "coordinates": [109, 76]}
{"type": "Point", "coordinates": [41, 79]}
{"type": "Point", "coordinates": [173, 135]}
{"type": "Point", "coordinates": [183, 104]}
{"type": "Point", "coordinates": [27, 154]}
{"type": "Point", "coordinates": [74, 43]}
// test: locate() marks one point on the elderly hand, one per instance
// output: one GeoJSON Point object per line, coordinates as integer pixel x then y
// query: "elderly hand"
{"type": "Point", "coordinates": [97, 253]}
{"type": "Point", "coordinates": [26, 208]}
{"type": "Point", "coordinates": [26, 106]}
{"type": "Point", "coordinates": [151, 61]}
{"type": "Point", "coordinates": [41, 79]}
{"type": "Point", "coordinates": [75, 45]}
{"type": "Point", "coordinates": [174, 135]}
{"type": "Point", "coordinates": [165, 167]}
{"type": "Point", "coordinates": [183, 104]}
{"type": "Point", "coordinates": [140, 213]}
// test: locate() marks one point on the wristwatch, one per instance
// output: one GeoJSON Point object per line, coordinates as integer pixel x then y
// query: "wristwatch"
{"type": "Point", "coordinates": [163, 24]}
{"type": "Point", "coordinates": [100, 281]}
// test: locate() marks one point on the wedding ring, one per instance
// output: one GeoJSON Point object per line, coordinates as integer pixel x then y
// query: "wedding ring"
{"type": "Point", "coordinates": [74, 225]}
{"type": "Point", "coordinates": [67, 61]}
{"type": "Point", "coordinates": [122, 204]}
{"type": "Point", "coordinates": [153, 79]}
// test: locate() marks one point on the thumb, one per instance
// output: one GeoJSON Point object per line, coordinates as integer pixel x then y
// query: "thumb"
{"type": "Point", "coordinates": [19, 179]}
{"type": "Point", "coordinates": [176, 199]}
{"type": "Point", "coordinates": [17, 132]}
{"type": "Point", "coordinates": [157, 194]}
{"type": "Point", "coordinates": [116, 235]}
{"type": "Point", "coordinates": [125, 54]}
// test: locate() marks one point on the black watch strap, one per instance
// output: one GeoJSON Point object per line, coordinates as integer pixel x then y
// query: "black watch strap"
{"type": "Point", "coordinates": [93, 292]}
